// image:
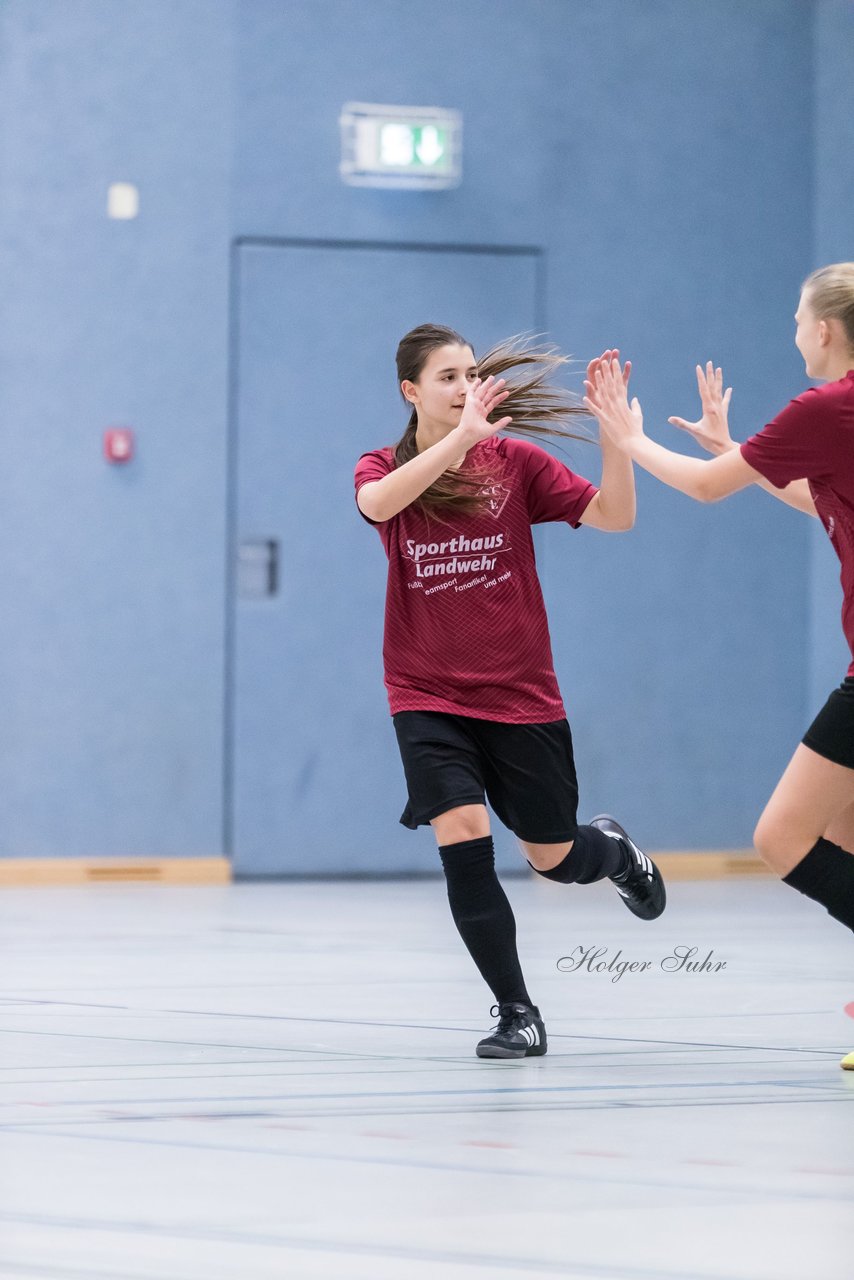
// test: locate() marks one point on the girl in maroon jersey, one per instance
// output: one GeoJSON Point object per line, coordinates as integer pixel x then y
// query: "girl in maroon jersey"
{"type": "Point", "coordinates": [806, 458]}
{"type": "Point", "coordinates": [468, 664]}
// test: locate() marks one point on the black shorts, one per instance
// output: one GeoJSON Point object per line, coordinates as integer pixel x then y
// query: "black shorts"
{"type": "Point", "coordinates": [526, 771]}
{"type": "Point", "coordinates": [831, 734]}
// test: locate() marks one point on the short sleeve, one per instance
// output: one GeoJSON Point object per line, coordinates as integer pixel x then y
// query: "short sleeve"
{"type": "Point", "coordinates": [553, 491]}
{"type": "Point", "coordinates": [372, 466]}
{"type": "Point", "coordinates": [797, 445]}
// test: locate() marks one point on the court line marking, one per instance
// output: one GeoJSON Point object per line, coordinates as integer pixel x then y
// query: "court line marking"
{"type": "Point", "coordinates": [449, 1065]}
{"type": "Point", "coordinates": [396, 1026]}
{"type": "Point", "coordinates": [725, 1194]}
{"type": "Point", "coordinates": [139, 1010]}
{"type": "Point", "coordinates": [535, 1090]}
{"type": "Point", "coordinates": [471, 1108]}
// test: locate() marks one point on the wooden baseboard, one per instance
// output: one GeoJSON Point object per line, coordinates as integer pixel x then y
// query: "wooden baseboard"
{"type": "Point", "coordinates": [50, 871]}
{"type": "Point", "coordinates": [700, 865]}
{"type": "Point", "coordinates": [710, 864]}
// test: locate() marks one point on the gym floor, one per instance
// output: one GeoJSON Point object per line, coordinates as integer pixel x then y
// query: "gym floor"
{"type": "Point", "coordinates": [270, 1080]}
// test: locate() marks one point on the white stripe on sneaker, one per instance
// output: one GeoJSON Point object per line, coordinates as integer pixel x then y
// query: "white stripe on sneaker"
{"type": "Point", "coordinates": [645, 863]}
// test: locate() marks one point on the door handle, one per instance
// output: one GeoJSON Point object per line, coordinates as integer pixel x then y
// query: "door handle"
{"type": "Point", "coordinates": [258, 569]}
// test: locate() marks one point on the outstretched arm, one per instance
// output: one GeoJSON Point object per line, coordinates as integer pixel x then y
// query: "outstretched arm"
{"type": "Point", "coordinates": [712, 432]}
{"type": "Point", "coordinates": [706, 481]}
{"type": "Point", "coordinates": [613, 508]}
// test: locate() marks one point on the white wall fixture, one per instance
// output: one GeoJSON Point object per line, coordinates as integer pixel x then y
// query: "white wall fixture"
{"type": "Point", "coordinates": [122, 200]}
{"type": "Point", "coordinates": [418, 148]}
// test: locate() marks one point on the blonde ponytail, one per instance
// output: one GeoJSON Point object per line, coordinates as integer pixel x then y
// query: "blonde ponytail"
{"type": "Point", "coordinates": [830, 293]}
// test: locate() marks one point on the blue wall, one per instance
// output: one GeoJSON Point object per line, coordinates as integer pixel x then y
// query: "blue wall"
{"type": "Point", "coordinates": [662, 156]}
{"type": "Point", "coordinates": [112, 643]}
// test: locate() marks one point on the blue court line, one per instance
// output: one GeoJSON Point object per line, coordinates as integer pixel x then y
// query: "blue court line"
{"type": "Point", "coordinates": [472, 1108]}
{"type": "Point", "coordinates": [397, 1026]}
{"type": "Point", "coordinates": [201, 1013]}
{"type": "Point", "coordinates": [360, 1249]}
{"type": "Point", "coordinates": [415, 1064]}
{"type": "Point", "coordinates": [677, 1183]}
{"type": "Point", "coordinates": [499, 1109]}
{"type": "Point", "coordinates": [325, 1052]}
{"type": "Point", "coordinates": [414, 1026]}
{"type": "Point", "coordinates": [55, 1271]}
{"type": "Point", "coordinates": [486, 1092]}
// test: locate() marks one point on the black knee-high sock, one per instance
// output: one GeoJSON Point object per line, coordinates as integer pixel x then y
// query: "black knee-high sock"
{"type": "Point", "coordinates": [826, 875]}
{"type": "Point", "coordinates": [593, 856]}
{"type": "Point", "coordinates": [484, 917]}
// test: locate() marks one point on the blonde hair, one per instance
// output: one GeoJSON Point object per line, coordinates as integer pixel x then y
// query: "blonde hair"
{"type": "Point", "coordinates": [537, 406]}
{"type": "Point", "coordinates": [830, 293]}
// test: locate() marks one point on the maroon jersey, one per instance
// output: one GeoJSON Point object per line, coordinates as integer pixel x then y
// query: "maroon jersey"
{"type": "Point", "coordinates": [465, 622]}
{"type": "Point", "coordinates": [813, 439]}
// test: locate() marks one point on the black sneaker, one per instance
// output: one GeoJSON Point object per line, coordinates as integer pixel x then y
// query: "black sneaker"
{"type": "Point", "coordinates": [520, 1033]}
{"type": "Point", "coordinates": [640, 886]}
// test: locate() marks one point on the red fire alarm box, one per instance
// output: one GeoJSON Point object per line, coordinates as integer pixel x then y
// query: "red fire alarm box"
{"type": "Point", "coordinates": [118, 444]}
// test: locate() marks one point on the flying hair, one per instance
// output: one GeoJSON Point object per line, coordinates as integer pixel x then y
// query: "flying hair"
{"type": "Point", "coordinates": [538, 406]}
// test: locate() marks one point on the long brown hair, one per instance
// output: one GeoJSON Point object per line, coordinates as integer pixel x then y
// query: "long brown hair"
{"type": "Point", "coordinates": [537, 406]}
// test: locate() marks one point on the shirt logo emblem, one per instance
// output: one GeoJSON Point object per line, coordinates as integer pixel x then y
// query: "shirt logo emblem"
{"type": "Point", "coordinates": [497, 495]}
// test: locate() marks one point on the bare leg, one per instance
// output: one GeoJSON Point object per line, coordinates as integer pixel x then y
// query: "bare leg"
{"type": "Point", "coordinates": [841, 830]}
{"type": "Point", "coordinates": [545, 856]}
{"type": "Point", "coordinates": [814, 798]}
{"type": "Point", "coordinates": [468, 822]}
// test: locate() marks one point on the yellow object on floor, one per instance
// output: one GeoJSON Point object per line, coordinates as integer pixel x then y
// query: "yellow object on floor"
{"type": "Point", "coordinates": [847, 1062]}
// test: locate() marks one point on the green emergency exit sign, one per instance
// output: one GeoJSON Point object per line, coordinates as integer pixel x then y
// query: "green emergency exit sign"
{"type": "Point", "coordinates": [384, 146]}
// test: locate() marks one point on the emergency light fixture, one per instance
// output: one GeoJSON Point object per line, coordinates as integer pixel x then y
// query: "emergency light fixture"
{"type": "Point", "coordinates": [405, 147]}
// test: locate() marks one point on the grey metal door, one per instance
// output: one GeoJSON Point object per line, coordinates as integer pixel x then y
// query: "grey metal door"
{"type": "Point", "coordinates": [315, 783]}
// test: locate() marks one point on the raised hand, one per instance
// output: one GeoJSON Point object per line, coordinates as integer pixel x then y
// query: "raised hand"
{"type": "Point", "coordinates": [712, 430]}
{"type": "Point", "coordinates": [605, 358]}
{"type": "Point", "coordinates": [607, 397]}
{"type": "Point", "coordinates": [482, 399]}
